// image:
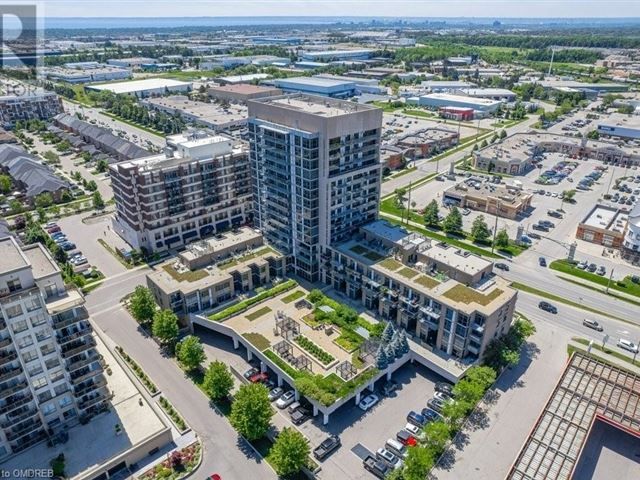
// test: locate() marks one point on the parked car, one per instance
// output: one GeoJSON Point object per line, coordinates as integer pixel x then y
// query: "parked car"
{"type": "Point", "coordinates": [259, 377]}
{"type": "Point", "coordinates": [367, 402]}
{"type": "Point", "coordinates": [587, 322]}
{"type": "Point", "coordinates": [534, 235]}
{"type": "Point", "coordinates": [391, 459]}
{"type": "Point", "coordinates": [541, 228]}
{"type": "Point", "coordinates": [628, 345]}
{"type": "Point", "coordinates": [66, 246]}
{"type": "Point", "coordinates": [286, 399]}
{"type": "Point", "coordinates": [416, 418]}
{"type": "Point", "coordinates": [442, 396]}
{"type": "Point", "coordinates": [404, 438]}
{"type": "Point", "coordinates": [435, 404]}
{"type": "Point", "coordinates": [293, 407]}
{"type": "Point", "coordinates": [81, 260]}
{"type": "Point", "coordinates": [251, 372]}
{"type": "Point", "coordinates": [300, 416]}
{"type": "Point", "coordinates": [430, 415]}
{"type": "Point", "coordinates": [389, 387]}
{"type": "Point", "coordinates": [54, 229]}
{"type": "Point", "coordinates": [547, 307]}
{"type": "Point", "coordinates": [415, 430]}
{"type": "Point", "coordinates": [378, 468]}
{"type": "Point", "coordinates": [501, 266]}
{"type": "Point", "coordinates": [443, 387]}
{"type": "Point", "coordinates": [542, 262]}
{"type": "Point", "coordinates": [327, 446]}
{"type": "Point", "coordinates": [466, 211]}
{"type": "Point", "coordinates": [275, 393]}
{"type": "Point", "coordinates": [592, 267]}
{"type": "Point", "coordinates": [582, 265]}
{"type": "Point", "coordinates": [601, 270]}
{"type": "Point", "coordinates": [547, 223]}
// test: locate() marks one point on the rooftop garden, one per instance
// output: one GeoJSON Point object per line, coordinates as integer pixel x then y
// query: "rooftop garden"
{"type": "Point", "coordinates": [258, 313]}
{"type": "Point", "coordinates": [391, 264]}
{"type": "Point", "coordinates": [232, 262]}
{"type": "Point", "coordinates": [366, 253]}
{"type": "Point", "coordinates": [426, 281]}
{"type": "Point", "coordinates": [257, 340]}
{"type": "Point", "coordinates": [463, 294]}
{"type": "Point", "coordinates": [188, 276]}
{"type": "Point", "coordinates": [408, 272]}
{"type": "Point", "coordinates": [249, 302]}
{"type": "Point", "coordinates": [292, 297]}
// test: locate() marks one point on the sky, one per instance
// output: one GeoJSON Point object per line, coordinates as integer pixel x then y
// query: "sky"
{"type": "Point", "coordinates": [394, 8]}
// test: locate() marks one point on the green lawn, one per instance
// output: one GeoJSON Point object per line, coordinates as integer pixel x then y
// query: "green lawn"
{"type": "Point", "coordinates": [235, 261]}
{"type": "Point", "coordinates": [134, 124]}
{"type": "Point", "coordinates": [418, 113]}
{"type": "Point", "coordinates": [188, 276]}
{"type": "Point", "coordinates": [349, 341]}
{"type": "Point", "coordinates": [408, 272]}
{"type": "Point", "coordinates": [257, 314]}
{"type": "Point", "coordinates": [625, 285]}
{"type": "Point", "coordinates": [293, 296]}
{"type": "Point", "coordinates": [462, 293]}
{"type": "Point", "coordinates": [426, 281]}
{"type": "Point", "coordinates": [598, 346]}
{"type": "Point", "coordinates": [257, 340]}
{"type": "Point", "coordinates": [390, 264]}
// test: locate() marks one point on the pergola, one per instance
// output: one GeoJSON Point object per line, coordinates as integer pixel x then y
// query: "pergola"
{"type": "Point", "coordinates": [346, 370]}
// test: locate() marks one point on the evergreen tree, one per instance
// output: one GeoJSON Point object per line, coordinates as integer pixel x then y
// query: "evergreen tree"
{"type": "Point", "coordinates": [381, 358]}
{"type": "Point", "coordinates": [431, 214]}
{"type": "Point", "coordinates": [453, 222]}
{"type": "Point", "coordinates": [479, 230]}
{"type": "Point", "coordinates": [388, 332]}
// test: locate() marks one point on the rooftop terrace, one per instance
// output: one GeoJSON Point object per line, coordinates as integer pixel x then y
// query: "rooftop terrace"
{"type": "Point", "coordinates": [321, 106]}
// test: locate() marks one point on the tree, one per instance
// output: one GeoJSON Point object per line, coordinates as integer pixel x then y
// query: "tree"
{"type": "Point", "coordinates": [190, 352]}
{"type": "Point", "coordinates": [484, 376]}
{"type": "Point", "coordinates": [59, 254]}
{"type": "Point", "coordinates": [455, 411]}
{"type": "Point", "coordinates": [290, 452]}
{"type": "Point", "coordinates": [468, 391]}
{"type": "Point", "coordinates": [479, 230]}
{"type": "Point", "coordinates": [453, 222]}
{"type": "Point", "coordinates": [165, 326]}
{"type": "Point", "coordinates": [251, 411]}
{"type": "Point", "coordinates": [102, 165]}
{"type": "Point", "coordinates": [92, 186]}
{"type": "Point", "coordinates": [66, 196]}
{"type": "Point", "coordinates": [502, 239]}
{"type": "Point", "coordinates": [15, 206]}
{"type": "Point", "coordinates": [218, 381]}
{"type": "Point", "coordinates": [5, 183]}
{"type": "Point", "coordinates": [568, 196]}
{"type": "Point", "coordinates": [503, 134]}
{"type": "Point", "coordinates": [418, 463]}
{"type": "Point", "coordinates": [42, 214]}
{"type": "Point", "coordinates": [51, 156]}
{"type": "Point", "coordinates": [431, 214]}
{"type": "Point", "coordinates": [315, 296]}
{"type": "Point", "coordinates": [98, 202]}
{"type": "Point", "coordinates": [400, 196]}
{"type": "Point", "coordinates": [381, 358]}
{"type": "Point", "coordinates": [142, 304]}
{"type": "Point", "coordinates": [437, 435]}
{"type": "Point", "coordinates": [44, 200]}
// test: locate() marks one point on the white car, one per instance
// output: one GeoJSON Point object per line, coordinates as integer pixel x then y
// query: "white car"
{"type": "Point", "coordinates": [416, 431]}
{"type": "Point", "coordinates": [442, 396]}
{"type": "Point", "coordinates": [275, 393]}
{"type": "Point", "coordinates": [628, 345]}
{"type": "Point", "coordinates": [367, 402]}
{"type": "Point", "coordinates": [389, 458]}
{"type": "Point", "coordinates": [286, 399]}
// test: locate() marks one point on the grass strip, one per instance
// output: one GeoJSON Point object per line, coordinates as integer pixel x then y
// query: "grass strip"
{"type": "Point", "coordinates": [608, 351]}
{"type": "Point", "coordinates": [625, 285]}
{"type": "Point", "coordinates": [257, 314]}
{"type": "Point", "coordinates": [293, 296]}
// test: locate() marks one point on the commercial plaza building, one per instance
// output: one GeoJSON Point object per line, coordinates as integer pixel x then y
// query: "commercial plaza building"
{"type": "Point", "coordinates": [199, 186]}
{"type": "Point", "coordinates": [316, 173]}
{"type": "Point", "coordinates": [50, 373]}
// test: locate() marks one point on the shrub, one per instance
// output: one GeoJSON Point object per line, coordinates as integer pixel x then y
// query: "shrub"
{"type": "Point", "coordinates": [324, 357]}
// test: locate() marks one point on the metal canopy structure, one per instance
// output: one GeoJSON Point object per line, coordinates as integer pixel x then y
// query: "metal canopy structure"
{"type": "Point", "coordinates": [346, 370]}
{"type": "Point", "coordinates": [368, 349]}
{"type": "Point", "coordinates": [285, 350]}
{"type": "Point", "coordinates": [588, 389]}
{"type": "Point", "coordinates": [286, 326]}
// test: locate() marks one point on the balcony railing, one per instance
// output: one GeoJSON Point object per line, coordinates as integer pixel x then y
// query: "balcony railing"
{"type": "Point", "coordinates": [31, 412]}
{"type": "Point", "coordinates": [74, 365]}
{"type": "Point", "coordinates": [5, 392]}
{"type": "Point", "coordinates": [72, 350]}
{"type": "Point", "coordinates": [84, 404]}
{"type": "Point", "coordinates": [85, 330]}
{"type": "Point", "coordinates": [65, 322]}
{"type": "Point", "coordinates": [6, 374]}
{"type": "Point", "coordinates": [15, 402]}
{"type": "Point", "coordinates": [81, 375]}
{"type": "Point", "coordinates": [5, 342]}
{"type": "Point", "coordinates": [83, 390]}
{"type": "Point", "coordinates": [23, 430]}
{"type": "Point", "coordinates": [4, 359]}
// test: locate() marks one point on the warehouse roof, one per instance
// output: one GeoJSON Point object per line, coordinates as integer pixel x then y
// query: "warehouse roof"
{"type": "Point", "coordinates": [140, 85]}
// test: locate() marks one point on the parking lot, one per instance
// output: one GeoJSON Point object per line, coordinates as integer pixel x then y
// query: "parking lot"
{"type": "Point", "coordinates": [360, 432]}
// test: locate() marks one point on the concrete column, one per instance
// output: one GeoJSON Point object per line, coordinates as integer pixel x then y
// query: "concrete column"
{"type": "Point", "coordinates": [263, 367]}
{"type": "Point", "coordinates": [249, 355]}
{"type": "Point", "coordinates": [297, 397]}
{"type": "Point", "coordinates": [280, 381]}
{"type": "Point", "coordinates": [357, 398]}
{"type": "Point", "coordinates": [370, 387]}
{"type": "Point", "coordinates": [325, 418]}
{"type": "Point", "coordinates": [236, 343]}
{"type": "Point", "coordinates": [315, 410]}
{"type": "Point", "coordinates": [452, 332]}
{"type": "Point", "coordinates": [199, 301]}
{"type": "Point", "coordinates": [388, 375]}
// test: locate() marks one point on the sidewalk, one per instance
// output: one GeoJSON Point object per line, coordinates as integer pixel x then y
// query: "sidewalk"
{"type": "Point", "coordinates": [635, 368]}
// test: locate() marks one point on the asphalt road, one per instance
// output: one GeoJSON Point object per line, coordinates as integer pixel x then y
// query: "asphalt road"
{"type": "Point", "coordinates": [225, 452]}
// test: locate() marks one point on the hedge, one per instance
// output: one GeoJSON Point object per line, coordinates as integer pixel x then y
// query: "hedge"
{"type": "Point", "coordinates": [137, 370]}
{"type": "Point", "coordinates": [175, 416]}
{"type": "Point", "coordinates": [245, 304]}
{"type": "Point", "coordinates": [319, 353]}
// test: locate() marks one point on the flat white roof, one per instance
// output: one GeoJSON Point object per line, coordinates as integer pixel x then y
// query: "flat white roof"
{"type": "Point", "coordinates": [601, 217]}
{"type": "Point", "coordinates": [244, 78]}
{"type": "Point", "coordinates": [141, 85]}
{"type": "Point", "coordinates": [314, 81]}
{"type": "Point", "coordinates": [461, 98]}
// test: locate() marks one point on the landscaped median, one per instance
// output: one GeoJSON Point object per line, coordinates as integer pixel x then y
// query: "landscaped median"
{"type": "Point", "coordinates": [173, 414]}
{"type": "Point", "coordinates": [626, 285]}
{"type": "Point", "coordinates": [137, 370]}
{"type": "Point", "coordinates": [240, 307]}
{"type": "Point", "coordinates": [178, 464]}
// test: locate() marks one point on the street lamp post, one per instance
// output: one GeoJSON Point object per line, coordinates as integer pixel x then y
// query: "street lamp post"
{"type": "Point", "coordinates": [609, 282]}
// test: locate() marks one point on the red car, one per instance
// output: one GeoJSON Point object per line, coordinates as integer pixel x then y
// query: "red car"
{"type": "Point", "coordinates": [406, 438]}
{"type": "Point", "coordinates": [51, 230]}
{"type": "Point", "coordinates": [260, 377]}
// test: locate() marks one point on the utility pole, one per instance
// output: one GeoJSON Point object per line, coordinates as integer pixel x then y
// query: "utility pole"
{"type": "Point", "coordinates": [409, 204]}
{"type": "Point", "coordinates": [495, 229]}
{"type": "Point", "coordinates": [609, 282]}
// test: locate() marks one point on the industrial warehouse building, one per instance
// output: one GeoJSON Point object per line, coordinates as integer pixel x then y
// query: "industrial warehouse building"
{"type": "Point", "coordinates": [326, 87]}
{"type": "Point", "coordinates": [144, 88]}
{"type": "Point", "coordinates": [480, 106]}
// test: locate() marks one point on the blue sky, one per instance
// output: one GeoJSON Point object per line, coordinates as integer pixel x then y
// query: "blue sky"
{"type": "Point", "coordinates": [409, 8]}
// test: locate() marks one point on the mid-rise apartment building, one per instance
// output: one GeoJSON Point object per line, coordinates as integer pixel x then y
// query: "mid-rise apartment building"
{"type": "Point", "coordinates": [198, 187]}
{"type": "Point", "coordinates": [51, 375]}
{"type": "Point", "coordinates": [315, 171]}
{"type": "Point", "coordinates": [28, 105]}
{"type": "Point", "coordinates": [447, 299]}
